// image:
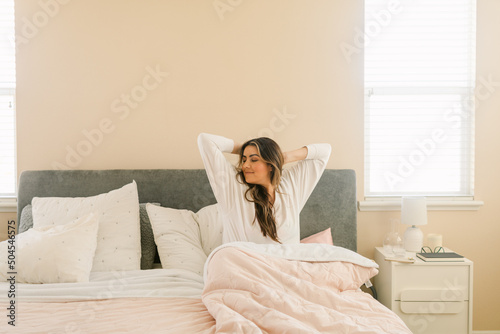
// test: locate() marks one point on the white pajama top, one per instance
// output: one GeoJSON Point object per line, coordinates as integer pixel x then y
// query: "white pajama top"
{"type": "Point", "coordinates": [237, 213]}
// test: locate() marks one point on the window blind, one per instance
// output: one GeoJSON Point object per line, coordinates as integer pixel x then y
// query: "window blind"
{"type": "Point", "coordinates": [419, 97]}
{"type": "Point", "coordinates": [7, 100]}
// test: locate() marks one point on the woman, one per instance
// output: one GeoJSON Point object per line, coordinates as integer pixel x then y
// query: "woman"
{"type": "Point", "coordinates": [259, 201]}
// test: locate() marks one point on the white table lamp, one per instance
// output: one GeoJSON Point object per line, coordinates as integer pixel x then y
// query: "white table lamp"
{"type": "Point", "coordinates": [414, 213]}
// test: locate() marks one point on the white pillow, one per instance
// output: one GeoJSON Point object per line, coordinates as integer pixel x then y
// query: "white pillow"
{"type": "Point", "coordinates": [208, 219]}
{"type": "Point", "coordinates": [119, 239]}
{"type": "Point", "coordinates": [177, 236]}
{"type": "Point", "coordinates": [55, 254]}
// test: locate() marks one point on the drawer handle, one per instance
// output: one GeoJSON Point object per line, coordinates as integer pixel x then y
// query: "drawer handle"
{"type": "Point", "coordinates": [443, 295]}
{"type": "Point", "coordinates": [432, 307]}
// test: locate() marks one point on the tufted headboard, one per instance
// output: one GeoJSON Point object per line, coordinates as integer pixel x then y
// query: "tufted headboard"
{"type": "Point", "coordinates": [332, 204]}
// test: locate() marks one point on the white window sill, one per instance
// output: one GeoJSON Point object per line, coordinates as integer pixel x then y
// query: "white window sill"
{"type": "Point", "coordinates": [432, 205]}
{"type": "Point", "coordinates": [8, 205]}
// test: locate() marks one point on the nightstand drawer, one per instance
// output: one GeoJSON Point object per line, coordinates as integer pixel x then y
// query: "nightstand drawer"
{"type": "Point", "coordinates": [432, 307]}
{"type": "Point", "coordinates": [425, 295]}
{"type": "Point", "coordinates": [450, 282]}
{"type": "Point", "coordinates": [434, 317]}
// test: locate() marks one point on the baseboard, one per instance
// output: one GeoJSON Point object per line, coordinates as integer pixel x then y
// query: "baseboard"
{"type": "Point", "coordinates": [485, 332]}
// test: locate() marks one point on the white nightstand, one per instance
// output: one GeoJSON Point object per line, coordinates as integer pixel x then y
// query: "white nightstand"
{"type": "Point", "coordinates": [430, 297]}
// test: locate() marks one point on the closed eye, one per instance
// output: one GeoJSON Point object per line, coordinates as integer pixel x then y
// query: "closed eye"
{"type": "Point", "coordinates": [254, 157]}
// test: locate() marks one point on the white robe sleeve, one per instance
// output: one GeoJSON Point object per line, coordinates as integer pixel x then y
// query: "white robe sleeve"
{"type": "Point", "coordinates": [306, 173]}
{"type": "Point", "coordinates": [221, 173]}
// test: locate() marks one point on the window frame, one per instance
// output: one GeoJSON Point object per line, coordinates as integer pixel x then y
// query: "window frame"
{"type": "Point", "coordinates": [8, 200]}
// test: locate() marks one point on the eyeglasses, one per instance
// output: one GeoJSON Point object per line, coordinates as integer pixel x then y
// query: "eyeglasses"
{"type": "Point", "coordinates": [427, 249]}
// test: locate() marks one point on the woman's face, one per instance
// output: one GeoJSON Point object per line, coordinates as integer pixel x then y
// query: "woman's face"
{"type": "Point", "coordinates": [255, 170]}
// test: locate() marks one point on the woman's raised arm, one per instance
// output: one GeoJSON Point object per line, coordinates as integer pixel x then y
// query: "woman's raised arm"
{"type": "Point", "coordinates": [295, 155]}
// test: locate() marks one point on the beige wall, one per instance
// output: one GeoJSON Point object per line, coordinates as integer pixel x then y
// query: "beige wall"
{"type": "Point", "coordinates": [254, 67]}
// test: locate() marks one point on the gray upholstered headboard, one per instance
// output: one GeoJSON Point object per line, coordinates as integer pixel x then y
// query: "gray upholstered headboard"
{"type": "Point", "coordinates": [332, 204]}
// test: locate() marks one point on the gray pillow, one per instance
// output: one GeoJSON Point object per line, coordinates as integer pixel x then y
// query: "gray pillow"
{"type": "Point", "coordinates": [26, 219]}
{"type": "Point", "coordinates": [148, 246]}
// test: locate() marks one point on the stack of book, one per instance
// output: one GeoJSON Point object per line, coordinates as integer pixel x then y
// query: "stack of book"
{"type": "Point", "coordinates": [440, 257]}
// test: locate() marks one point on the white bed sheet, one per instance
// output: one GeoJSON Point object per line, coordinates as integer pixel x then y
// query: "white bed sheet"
{"type": "Point", "coordinates": [114, 284]}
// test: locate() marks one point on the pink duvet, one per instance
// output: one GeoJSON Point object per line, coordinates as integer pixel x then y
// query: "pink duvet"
{"type": "Point", "coordinates": [252, 292]}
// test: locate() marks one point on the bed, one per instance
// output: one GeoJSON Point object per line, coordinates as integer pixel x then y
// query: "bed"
{"type": "Point", "coordinates": [139, 251]}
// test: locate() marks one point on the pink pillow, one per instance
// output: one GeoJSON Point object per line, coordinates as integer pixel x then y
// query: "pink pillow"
{"type": "Point", "coordinates": [323, 237]}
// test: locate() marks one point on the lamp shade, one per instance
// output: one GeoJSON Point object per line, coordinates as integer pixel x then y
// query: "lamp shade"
{"type": "Point", "coordinates": [414, 210]}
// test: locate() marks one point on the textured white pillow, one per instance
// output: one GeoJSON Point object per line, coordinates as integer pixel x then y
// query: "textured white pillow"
{"type": "Point", "coordinates": [119, 239]}
{"type": "Point", "coordinates": [177, 236]}
{"type": "Point", "coordinates": [53, 254]}
{"type": "Point", "coordinates": [210, 228]}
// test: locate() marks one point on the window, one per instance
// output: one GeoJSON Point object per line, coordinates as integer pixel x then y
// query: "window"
{"type": "Point", "coordinates": [419, 98]}
{"type": "Point", "coordinates": [7, 100]}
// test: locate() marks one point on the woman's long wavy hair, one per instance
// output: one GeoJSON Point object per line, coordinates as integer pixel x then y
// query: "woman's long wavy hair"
{"type": "Point", "coordinates": [270, 153]}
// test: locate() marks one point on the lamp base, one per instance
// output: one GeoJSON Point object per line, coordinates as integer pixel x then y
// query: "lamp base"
{"type": "Point", "coordinates": [413, 239]}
